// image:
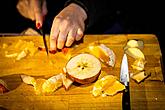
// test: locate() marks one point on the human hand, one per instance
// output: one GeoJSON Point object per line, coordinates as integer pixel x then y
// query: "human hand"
{"type": "Point", "coordinates": [67, 27]}
{"type": "Point", "coordinates": [33, 9]}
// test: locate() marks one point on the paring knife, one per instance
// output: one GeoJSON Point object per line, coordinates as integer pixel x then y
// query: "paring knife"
{"type": "Point", "coordinates": [124, 78]}
{"type": "Point", "coordinates": [42, 32]}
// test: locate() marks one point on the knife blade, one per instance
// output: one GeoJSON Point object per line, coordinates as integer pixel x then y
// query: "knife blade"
{"type": "Point", "coordinates": [42, 32]}
{"type": "Point", "coordinates": [124, 78]}
{"type": "Point", "coordinates": [44, 39]}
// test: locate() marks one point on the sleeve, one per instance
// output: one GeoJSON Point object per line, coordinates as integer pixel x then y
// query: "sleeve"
{"type": "Point", "coordinates": [95, 9]}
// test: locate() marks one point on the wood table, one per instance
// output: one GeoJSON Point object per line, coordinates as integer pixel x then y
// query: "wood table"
{"type": "Point", "coordinates": [148, 95]}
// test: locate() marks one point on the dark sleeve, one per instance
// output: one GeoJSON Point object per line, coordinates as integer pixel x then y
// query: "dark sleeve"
{"type": "Point", "coordinates": [95, 9]}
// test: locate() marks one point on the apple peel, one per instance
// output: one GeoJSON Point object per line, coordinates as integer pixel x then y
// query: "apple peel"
{"type": "Point", "coordinates": [28, 80]}
{"type": "Point", "coordinates": [105, 54]}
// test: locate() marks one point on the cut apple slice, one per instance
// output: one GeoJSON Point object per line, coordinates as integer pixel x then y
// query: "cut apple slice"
{"type": "Point", "coordinates": [83, 68]}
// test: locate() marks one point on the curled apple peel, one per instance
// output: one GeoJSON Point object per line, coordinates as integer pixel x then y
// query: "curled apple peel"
{"type": "Point", "coordinates": [105, 54]}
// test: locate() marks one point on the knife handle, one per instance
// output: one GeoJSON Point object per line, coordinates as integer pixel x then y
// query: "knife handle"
{"type": "Point", "coordinates": [126, 99]}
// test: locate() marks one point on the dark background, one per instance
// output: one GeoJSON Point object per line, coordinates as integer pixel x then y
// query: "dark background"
{"type": "Point", "coordinates": [137, 17]}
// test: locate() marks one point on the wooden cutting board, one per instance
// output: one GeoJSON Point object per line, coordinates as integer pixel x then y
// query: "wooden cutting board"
{"type": "Point", "coordinates": [146, 95]}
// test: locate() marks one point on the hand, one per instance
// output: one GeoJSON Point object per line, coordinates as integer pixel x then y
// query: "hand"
{"type": "Point", "coordinates": [33, 9]}
{"type": "Point", "coordinates": [67, 27]}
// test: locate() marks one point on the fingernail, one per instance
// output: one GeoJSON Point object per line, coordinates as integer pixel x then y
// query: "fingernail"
{"type": "Point", "coordinates": [52, 51]}
{"type": "Point", "coordinates": [38, 25]}
{"type": "Point", "coordinates": [41, 48]}
{"type": "Point", "coordinates": [65, 50]}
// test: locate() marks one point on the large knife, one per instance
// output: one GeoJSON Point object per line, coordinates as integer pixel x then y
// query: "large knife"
{"type": "Point", "coordinates": [124, 78]}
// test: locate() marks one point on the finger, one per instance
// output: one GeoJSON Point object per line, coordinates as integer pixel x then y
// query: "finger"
{"type": "Point", "coordinates": [38, 13]}
{"type": "Point", "coordinates": [44, 8]}
{"type": "Point", "coordinates": [54, 35]}
{"type": "Point", "coordinates": [61, 39]}
{"type": "Point", "coordinates": [79, 34]}
{"type": "Point", "coordinates": [71, 37]}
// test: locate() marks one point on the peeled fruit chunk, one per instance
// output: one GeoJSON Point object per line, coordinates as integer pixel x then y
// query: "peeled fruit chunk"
{"type": "Point", "coordinates": [67, 82]}
{"type": "Point", "coordinates": [116, 87]}
{"type": "Point", "coordinates": [134, 43]}
{"type": "Point", "coordinates": [108, 85]}
{"type": "Point", "coordinates": [139, 64]}
{"type": "Point", "coordinates": [52, 84]}
{"type": "Point", "coordinates": [22, 54]}
{"type": "Point", "coordinates": [135, 53]}
{"type": "Point", "coordinates": [38, 86]}
{"type": "Point", "coordinates": [43, 86]}
{"type": "Point", "coordinates": [22, 49]}
{"type": "Point", "coordinates": [138, 77]}
{"type": "Point", "coordinates": [83, 68]}
{"type": "Point", "coordinates": [104, 53]}
{"type": "Point", "coordinates": [102, 84]}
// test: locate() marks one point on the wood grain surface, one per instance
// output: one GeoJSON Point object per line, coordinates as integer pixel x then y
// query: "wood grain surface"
{"type": "Point", "coordinates": [148, 95]}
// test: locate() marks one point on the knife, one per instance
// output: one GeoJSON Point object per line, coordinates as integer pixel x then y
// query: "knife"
{"type": "Point", "coordinates": [42, 32]}
{"type": "Point", "coordinates": [124, 78]}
